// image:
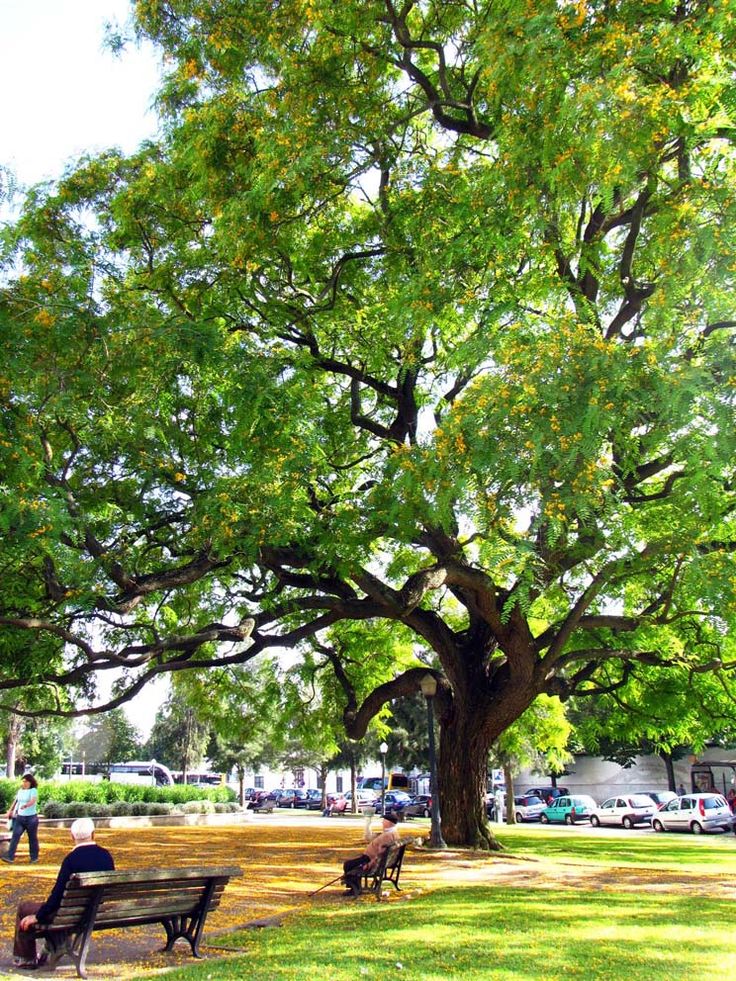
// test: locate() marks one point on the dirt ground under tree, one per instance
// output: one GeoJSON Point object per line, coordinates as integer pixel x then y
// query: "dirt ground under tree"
{"type": "Point", "coordinates": [284, 860]}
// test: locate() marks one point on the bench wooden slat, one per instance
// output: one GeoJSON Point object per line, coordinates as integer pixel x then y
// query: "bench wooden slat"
{"type": "Point", "coordinates": [117, 901]}
{"type": "Point", "coordinates": [132, 895]}
{"type": "Point", "coordinates": [173, 904]}
{"type": "Point", "coordinates": [155, 875]}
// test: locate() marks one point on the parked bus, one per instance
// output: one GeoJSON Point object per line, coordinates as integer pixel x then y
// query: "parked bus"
{"type": "Point", "coordinates": [713, 775]}
{"type": "Point", "coordinates": [143, 772]}
{"type": "Point", "coordinates": [393, 781]}
{"type": "Point", "coordinates": [200, 778]}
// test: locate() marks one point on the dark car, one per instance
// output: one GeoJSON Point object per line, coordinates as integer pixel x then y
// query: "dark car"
{"type": "Point", "coordinates": [396, 800]}
{"type": "Point", "coordinates": [547, 793]}
{"type": "Point", "coordinates": [312, 800]}
{"type": "Point", "coordinates": [288, 798]}
{"type": "Point", "coordinates": [660, 797]}
{"type": "Point", "coordinates": [305, 797]}
{"type": "Point", "coordinates": [419, 806]}
{"type": "Point", "coordinates": [266, 794]}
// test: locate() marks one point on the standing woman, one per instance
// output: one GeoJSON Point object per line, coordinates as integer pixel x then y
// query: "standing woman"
{"type": "Point", "coordinates": [23, 811]}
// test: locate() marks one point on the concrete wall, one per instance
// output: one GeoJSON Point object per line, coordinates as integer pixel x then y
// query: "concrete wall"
{"type": "Point", "coordinates": [600, 778]}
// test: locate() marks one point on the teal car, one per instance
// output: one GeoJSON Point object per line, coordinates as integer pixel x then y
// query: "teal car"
{"type": "Point", "coordinates": [568, 810]}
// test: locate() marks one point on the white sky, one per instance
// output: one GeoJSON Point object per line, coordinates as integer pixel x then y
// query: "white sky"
{"type": "Point", "coordinates": [62, 94]}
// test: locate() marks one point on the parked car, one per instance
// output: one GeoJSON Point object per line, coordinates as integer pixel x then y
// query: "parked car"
{"type": "Point", "coordinates": [292, 797]}
{"type": "Point", "coordinates": [419, 806]}
{"type": "Point", "coordinates": [568, 810]}
{"type": "Point", "coordinates": [303, 799]}
{"type": "Point", "coordinates": [624, 810]}
{"type": "Point", "coordinates": [395, 801]}
{"type": "Point", "coordinates": [528, 807]}
{"type": "Point", "coordinates": [312, 800]}
{"type": "Point", "coordinates": [365, 798]}
{"type": "Point", "coordinates": [696, 813]}
{"type": "Point", "coordinates": [546, 793]}
{"type": "Point", "coordinates": [266, 795]}
{"type": "Point", "coordinates": [660, 797]}
{"type": "Point", "coordinates": [285, 798]}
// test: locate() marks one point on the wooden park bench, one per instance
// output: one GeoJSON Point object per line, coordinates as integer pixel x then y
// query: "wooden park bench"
{"type": "Point", "coordinates": [178, 899]}
{"type": "Point", "coordinates": [387, 870]}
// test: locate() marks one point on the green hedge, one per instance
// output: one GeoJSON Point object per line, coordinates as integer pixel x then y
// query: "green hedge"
{"type": "Point", "coordinates": [107, 792]}
{"type": "Point", "coordinates": [121, 808]}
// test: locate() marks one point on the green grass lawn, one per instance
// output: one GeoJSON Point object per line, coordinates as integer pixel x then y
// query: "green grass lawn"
{"type": "Point", "coordinates": [486, 932]}
{"type": "Point", "coordinates": [684, 852]}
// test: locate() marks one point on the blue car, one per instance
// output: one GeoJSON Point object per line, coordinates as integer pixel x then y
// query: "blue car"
{"type": "Point", "coordinates": [568, 810]}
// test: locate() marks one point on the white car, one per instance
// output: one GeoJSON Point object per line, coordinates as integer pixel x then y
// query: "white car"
{"type": "Point", "coordinates": [527, 807]}
{"type": "Point", "coordinates": [696, 813]}
{"type": "Point", "coordinates": [624, 810]}
{"type": "Point", "coordinates": [363, 798]}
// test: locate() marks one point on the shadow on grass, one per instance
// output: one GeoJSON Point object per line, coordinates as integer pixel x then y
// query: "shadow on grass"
{"type": "Point", "coordinates": [484, 933]}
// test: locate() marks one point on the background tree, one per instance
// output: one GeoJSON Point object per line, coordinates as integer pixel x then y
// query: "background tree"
{"type": "Point", "coordinates": [179, 736]}
{"type": "Point", "coordinates": [30, 745]}
{"type": "Point", "coordinates": [109, 738]}
{"type": "Point", "coordinates": [417, 315]}
{"type": "Point", "coordinates": [669, 715]}
{"type": "Point", "coordinates": [537, 740]}
{"type": "Point", "coordinates": [240, 707]}
{"type": "Point", "coordinates": [406, 735]}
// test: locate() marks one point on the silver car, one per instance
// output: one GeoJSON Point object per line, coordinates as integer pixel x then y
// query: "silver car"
{"type": "Point", "coordinates": [624, 810]}
{"type": "Point", "coordinates": [696, 813]}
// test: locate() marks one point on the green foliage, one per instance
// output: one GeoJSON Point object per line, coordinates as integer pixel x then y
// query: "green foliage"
{"type": "Point", "coordinates": [538, 739]}
{"type": "Point", "coordinates": [409, 343]}
{"type": "Point", "coordinates": [661, 713]}
{"type": "Point", "coordinates": [118, 808]}
{"type": "Point", "coordinates": [179, 736]}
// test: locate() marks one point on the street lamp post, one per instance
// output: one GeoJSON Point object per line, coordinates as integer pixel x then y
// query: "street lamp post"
{"type": "Point", "coordinates": [384, 749]}
{"type": "Point", "coordinates": [428, 684]}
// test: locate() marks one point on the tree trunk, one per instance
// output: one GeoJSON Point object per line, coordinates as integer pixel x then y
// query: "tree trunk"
{"type": "Point", "coordinates": [463, 776]}
{"type": "Point", "coordinates": [15, 727]}
{"type": "Point", "coordinates": [353, 786]}
{"type": "Point", "coordinates": [508, 779]}
{"type": "Point", "coordinates": [241, 785]}
{"type": "Point", "coordinates": [323, 771]}
{"type": "Point", "coordinates": [669, 766]}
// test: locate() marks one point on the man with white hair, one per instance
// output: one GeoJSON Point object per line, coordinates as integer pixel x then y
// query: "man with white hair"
{"type": "Point", "coordinates": [86, 856]}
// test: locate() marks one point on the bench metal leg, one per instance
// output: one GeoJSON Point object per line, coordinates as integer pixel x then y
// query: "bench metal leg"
{"type": "Point", "coordinates": [189, 927]}
{"type": "Point", "coordinates": [74, 945]}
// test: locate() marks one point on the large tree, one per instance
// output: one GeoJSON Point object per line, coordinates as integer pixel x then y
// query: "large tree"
{"type": "Point", "coordinates": [417, 314]}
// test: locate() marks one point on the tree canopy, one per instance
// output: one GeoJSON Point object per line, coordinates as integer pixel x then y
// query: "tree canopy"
{"type": "Point", "coordinates": [417, 314]}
